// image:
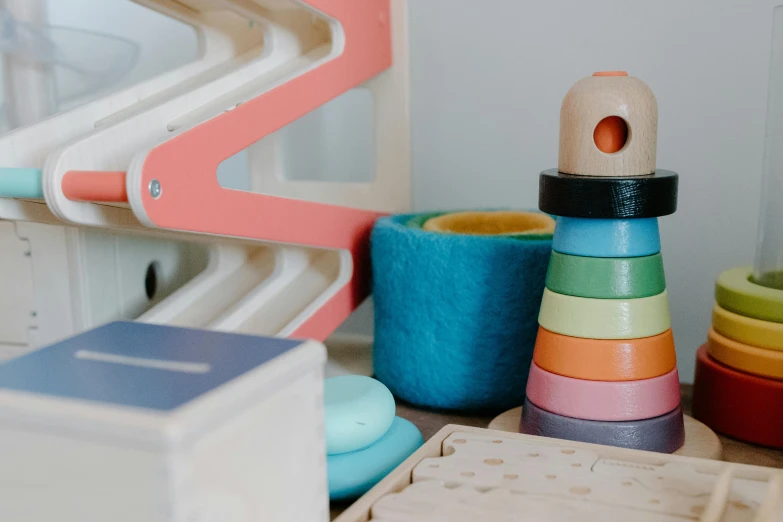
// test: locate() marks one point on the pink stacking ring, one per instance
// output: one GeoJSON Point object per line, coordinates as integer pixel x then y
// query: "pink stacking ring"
{"type": "Point", "coordinates": [603, 400]}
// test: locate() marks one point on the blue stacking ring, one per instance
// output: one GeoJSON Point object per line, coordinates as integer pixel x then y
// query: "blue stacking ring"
{"type": "Point", "coordinates": [606, 237]}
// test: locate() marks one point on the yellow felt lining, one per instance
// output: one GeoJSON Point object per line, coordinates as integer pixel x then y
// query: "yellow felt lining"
{"type": "Point", "coordinates": [492, 223]}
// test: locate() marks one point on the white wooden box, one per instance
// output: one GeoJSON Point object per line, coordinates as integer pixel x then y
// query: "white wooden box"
{"type": "Point", "coordinates": [148, 423]}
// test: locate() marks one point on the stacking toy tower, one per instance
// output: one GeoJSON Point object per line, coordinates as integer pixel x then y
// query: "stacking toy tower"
{"type": "Point", "coordinates": [738, 386]}
{"type": "Point", "coordinates": [604, 367]}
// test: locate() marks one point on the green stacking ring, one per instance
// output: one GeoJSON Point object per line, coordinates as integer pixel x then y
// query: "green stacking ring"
{"type": "Point", "coordinates": [606, 278]}
{"type": "Point", "coordinates": [735, 292]}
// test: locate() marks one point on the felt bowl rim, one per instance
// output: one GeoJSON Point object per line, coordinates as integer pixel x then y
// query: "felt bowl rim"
{"type": "Point", "coordinates": [518, 222]}
{"type": "Point", "coordinates": [413, 222]}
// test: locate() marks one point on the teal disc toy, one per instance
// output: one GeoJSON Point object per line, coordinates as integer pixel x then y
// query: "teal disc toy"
{"type": "Point", "coordinates": [353, 474]}
{"type": "Point", "coordinates": [358, 411]}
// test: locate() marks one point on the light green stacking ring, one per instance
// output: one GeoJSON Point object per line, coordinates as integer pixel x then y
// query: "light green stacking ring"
{"type": "Point", "coordinates": [606, 278]}
{"type": "Point", "coordinates": [604, 318]}
{"type": "Point", "coordinates": [735, 292]}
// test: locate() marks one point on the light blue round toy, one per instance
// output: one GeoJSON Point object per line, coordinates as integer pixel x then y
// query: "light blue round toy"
{"type": "Point", "coordinates": [358, 411]}
{"type": "Point", "coordinates": [353, 474]}
{"type": "Point", "coordinates": [588, 237]}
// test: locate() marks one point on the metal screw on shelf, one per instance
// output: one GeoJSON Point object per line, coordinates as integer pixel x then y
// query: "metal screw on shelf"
{"type": "Point", "coordinates": [155, 188]}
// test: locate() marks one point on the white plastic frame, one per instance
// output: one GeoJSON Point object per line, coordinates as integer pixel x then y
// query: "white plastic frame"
{"type": "Point", "coordinates": [106, 134]}
{"type": "Point", "coordinates": [28, 147]}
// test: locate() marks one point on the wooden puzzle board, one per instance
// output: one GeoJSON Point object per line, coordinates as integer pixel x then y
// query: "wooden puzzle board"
{"type": "Point", "coordinates": [465, 473]}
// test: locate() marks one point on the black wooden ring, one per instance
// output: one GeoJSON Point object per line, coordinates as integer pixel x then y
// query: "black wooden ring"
{"type": "Point", "coordinates": [664, 434]}
{"type": "Point", "coordinates": [608, 197]}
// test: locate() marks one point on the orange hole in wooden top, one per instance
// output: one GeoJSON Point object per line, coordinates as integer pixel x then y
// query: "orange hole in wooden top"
{"type": "Point", "coordinates": [610, 134]}
{"type": "Point", "coordinates": [610, 73]}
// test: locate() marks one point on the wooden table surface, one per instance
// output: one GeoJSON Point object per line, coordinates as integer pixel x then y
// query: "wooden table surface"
{"type": "Point", "coordinates": [429, 422]}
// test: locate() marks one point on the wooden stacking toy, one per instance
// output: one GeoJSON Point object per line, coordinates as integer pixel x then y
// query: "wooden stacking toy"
{"type": "Point", "coordinates": [604, 367]}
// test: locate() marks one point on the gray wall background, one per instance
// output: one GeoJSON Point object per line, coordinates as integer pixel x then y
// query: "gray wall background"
{"type": "Point", "coordinates": [487, 82]}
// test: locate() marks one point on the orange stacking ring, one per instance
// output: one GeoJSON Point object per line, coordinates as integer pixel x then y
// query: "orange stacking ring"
{"type": "Point", "coordinates": [605, 360]}
{"type": "Point", "coordinates": [743, 357]}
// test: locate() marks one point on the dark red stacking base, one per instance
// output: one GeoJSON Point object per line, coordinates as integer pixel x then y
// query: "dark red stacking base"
{"type": "Point", "coordinates": [736, 404]}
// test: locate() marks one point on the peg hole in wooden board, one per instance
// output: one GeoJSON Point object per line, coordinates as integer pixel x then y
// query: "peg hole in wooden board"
{"type": "Point", "coordinates": [151, 280]}
{"type": "Point", "coordinates": [611, 135]}
{"type": "Point", "coordinates": [146, 271]}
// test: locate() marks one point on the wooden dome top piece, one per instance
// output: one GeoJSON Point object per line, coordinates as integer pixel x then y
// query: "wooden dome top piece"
{"type": "Point", "coordinates": [608, 127]}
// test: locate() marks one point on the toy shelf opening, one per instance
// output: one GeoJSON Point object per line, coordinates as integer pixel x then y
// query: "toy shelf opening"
{"type": "Point", "coordinates": [768, 266]}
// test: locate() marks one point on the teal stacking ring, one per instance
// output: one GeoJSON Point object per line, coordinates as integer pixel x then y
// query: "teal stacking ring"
{"type": "Point", "coordinates": [351, 475]}
{"type": "Point", "coordinates": [589, 237]}
{"type": "Point", "coordinates": [358, 410]}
